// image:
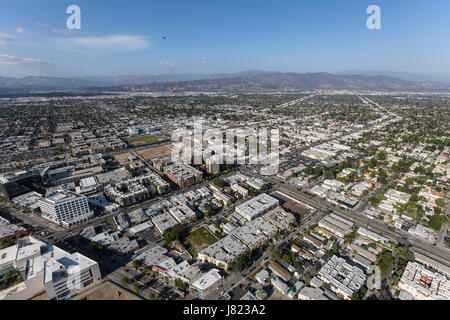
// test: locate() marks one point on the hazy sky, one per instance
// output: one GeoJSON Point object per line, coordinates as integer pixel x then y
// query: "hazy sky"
{"type": "Point", "coordinates": [213, 36]}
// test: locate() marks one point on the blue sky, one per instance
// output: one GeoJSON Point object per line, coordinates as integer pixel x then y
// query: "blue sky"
{"type": "Point", "coordinates": [214, 36]}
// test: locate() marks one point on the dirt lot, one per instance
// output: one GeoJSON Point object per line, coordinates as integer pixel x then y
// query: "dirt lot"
{"type": "Point", "coordinates": [105, 291]}
{"type": "Point", "coordinates": [136, 141]}
{"type": "Point", "coordinates": [155, 152]}
{"type": "Point", "coordinates": [123, 158]}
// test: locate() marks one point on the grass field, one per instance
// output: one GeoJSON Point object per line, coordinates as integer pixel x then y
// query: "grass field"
{"type": "Point", "coordinates": [198, 240]}
{"type": "Point", "coordinates": [145, 140]}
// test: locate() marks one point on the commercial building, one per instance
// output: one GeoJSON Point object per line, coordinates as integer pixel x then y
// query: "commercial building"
{"type": "Point", "coordinates": [182, 213]}
{"type": "Point", "coordinates": [206, 283]}
{"type": "Point", "coordinates": [140, 228]}
{"type": "Point", "coordinates": [29, 200]}
{"type": "Point", "coordinates": [65, 208]}
{"type": "Point", "coordinates": [257, 206]}
{"type": "Point", "coordinates": [372, 235]}
{"type": "Point", "coordinates": [45, 269]}
{"type": "Point", "coordinates": [14, 184]}
{"type": "Point", "coordinates": [254, 233]}
{"type": "Point", "coordinates": [164, 221]}
{"type": "Point", "coordinates": [335, 224]}
{"type": "Point", "coordinates": [9, 230]}
{"type": "Point", "coordinates": [70, 174]}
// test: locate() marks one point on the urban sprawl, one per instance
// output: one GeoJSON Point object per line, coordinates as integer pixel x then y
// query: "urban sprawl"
{"type": "Point", "coordinates": [94, 206]}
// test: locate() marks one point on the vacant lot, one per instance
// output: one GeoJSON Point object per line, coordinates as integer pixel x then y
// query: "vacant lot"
{"type": "Point", "coordinates": [155, 152]}
{"type": "Point", "coordinates": [105, 291]}
{"type": "Point", "coordinates": [136, 141]}
{"type": "Point", "coordinates": [198, 240]}
{"type": "Point", "coordinates": [123, 158]}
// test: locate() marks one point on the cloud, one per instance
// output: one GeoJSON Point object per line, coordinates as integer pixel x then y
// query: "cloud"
{"type": "Point", "coordinates": [167, 65]}
{"type": "Point", "coordinates": [20, 30]}
{"type": "Point", "coordinates": [6, 60]}
{"type": "Point", "coordinates": [202, 61]}
{"type": "Point", "coordinates": [107, 43]}
{"type": "Point", "coordinates": [40, 24]}
{"type": "Point", "coordinates": [4, 38]}
{"type": "Point", "coordinates": [64, 31]}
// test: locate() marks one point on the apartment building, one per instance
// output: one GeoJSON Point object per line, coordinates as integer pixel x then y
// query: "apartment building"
{"type": "Point", "coordinates": [183, 175]}
{"type": "Point", "coordinates": [343, 278]}
{"type": "Point", "coordinates": [423, 284]}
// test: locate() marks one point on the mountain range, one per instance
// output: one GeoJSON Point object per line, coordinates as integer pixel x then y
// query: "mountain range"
{"type": "Point", "coordinates": [247, 81]}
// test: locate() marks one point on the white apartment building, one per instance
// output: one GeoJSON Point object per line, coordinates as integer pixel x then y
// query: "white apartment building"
{"type": "Point", "coordinates": [423, 284]}
{"type": "Point", "coordinates": [65, 208]}
{"type": "Point", "coordinates": [343, 278]}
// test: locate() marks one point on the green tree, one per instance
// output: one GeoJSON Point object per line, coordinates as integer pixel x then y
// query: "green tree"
{"type": "Point", "coordinates": [275, 252]}
{"type": "Point", "coordinates": [350, 237]}
{"type": "Point", "coordinates": [440, 202]}
{"type": "Point", "coordinates": [180, 284]}
{"type": "Point", "coordinates": [136, 264]}
{"type": "Point", "coordinates": [219, 183]}
{"type": "Point", "coordinates": [170, 236]}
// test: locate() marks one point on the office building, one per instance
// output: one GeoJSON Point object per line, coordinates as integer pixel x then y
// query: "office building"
{"type": "Point", "coordinates": [46, 269]}
{"type": "Point", "coordinates": [65, 208]}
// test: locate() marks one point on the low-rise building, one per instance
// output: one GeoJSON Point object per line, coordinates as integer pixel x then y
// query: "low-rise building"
{"type": "Point", "coordinates": [207, 282]}
{"type": "Point", "coordinates": [423, 284]}
{"type": "Point", "coordinates": [343, 278]}
{"type": "Point", "coordinates": [257, 206]}
{"type": "Point", "coordinates": [339, 226]}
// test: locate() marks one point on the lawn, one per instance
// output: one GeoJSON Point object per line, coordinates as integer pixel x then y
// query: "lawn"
{"type": "Point", "coordinates": [198, 240]}
{"type": "Point", "coordinates": [145, 140]}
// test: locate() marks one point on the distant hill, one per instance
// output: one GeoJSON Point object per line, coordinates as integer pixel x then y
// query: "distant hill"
{"type": "Point", "coordinates": [247, 81]}
{"type": "Point", "coordinates": [275, 81]}
{"type": "Point", "coordinates": [401, 75]}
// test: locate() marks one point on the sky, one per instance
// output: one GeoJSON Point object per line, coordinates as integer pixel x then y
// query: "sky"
{"type": "Point", "coordinates": [119, 37]}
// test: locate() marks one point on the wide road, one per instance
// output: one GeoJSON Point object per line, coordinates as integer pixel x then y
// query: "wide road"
{"type": "Point", "coordinates": [440, 254]}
